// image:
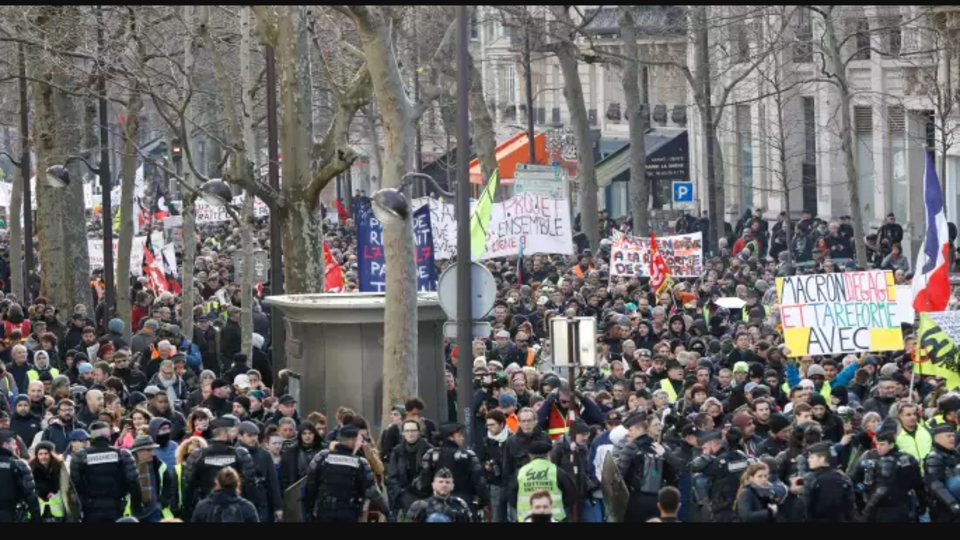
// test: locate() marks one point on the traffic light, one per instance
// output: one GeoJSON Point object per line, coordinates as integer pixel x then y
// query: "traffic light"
{"type": "Point", "coordinates": [176, 150]}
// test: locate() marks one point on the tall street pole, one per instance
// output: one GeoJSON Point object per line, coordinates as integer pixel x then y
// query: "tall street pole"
{"type": "Point", "coordinates": [28, 265]}
{"type": "Point", "coordinates": [529, 82]}
{"type": "Point", "coordinates": [464, 307]}
{"type": "Point", "coordinates": [277, 329]}
{"type": "Point", "coordinates": [105, 213]}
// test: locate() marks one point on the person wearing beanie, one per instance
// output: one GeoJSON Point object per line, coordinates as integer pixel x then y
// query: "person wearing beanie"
{"type": "Point", "coordinates": [508, 406]}
{"type": "Point", "coordinates": [160, 431]}
{"type": "Point", "coordinates": [103, 475]}
{"type": "Point", "coordinates": [938, 469]}
{"type": "Point", "coordinates": [115, 335]}
{"type": "Point", "coordinates": [23, 421]}
{"type": "Point", "coordinates": [779, 440]}
{"type": "Point", "coordinates": [896, 480]}
{"type": "Point", "coordinates": [270, 508]}
{"type": "Point", "coordinates": [819, 377]}
{"type": "Point", "coordinates": [240, 367]}
{"type": "Point", "coordinates": [241, 408]}
{"type": "Point", "coordinates": [831, 425]}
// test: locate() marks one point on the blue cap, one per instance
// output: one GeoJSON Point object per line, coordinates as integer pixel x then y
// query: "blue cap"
{"type": "Point", "coordinates": [79, 435]}
{"type": "Point", "coordinates": [84, 368]}
{"type": "Point", "coordinates": [115, 326]}
{"type": "Point", "coordinates": [506, 400]}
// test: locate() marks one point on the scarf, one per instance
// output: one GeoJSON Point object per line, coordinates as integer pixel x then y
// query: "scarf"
{"type": "Point", "coordinates": [501, 437]}
{"type": "Point", "coordinates": [145, 476]}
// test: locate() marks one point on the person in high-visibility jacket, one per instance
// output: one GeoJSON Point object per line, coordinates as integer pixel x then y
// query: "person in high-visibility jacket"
{"type": "Point", "coordinates": [673, 384]}
{"type": "Point", "coordinates": [818, 376]}
{"type": "Point", "coordinates": [158, 484]}
{"type": "Point", "coordinates": [542, 475]}
{"type": "Point", "coordinates": [914, 438]}
{"type": "Point", "coordinates": [554, 415]}
{"type": "Point", "coordinates": [47, 468]}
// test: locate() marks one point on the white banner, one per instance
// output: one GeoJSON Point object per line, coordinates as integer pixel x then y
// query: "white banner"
{"type": "Point", "coordinates": [630, 255]}
{"type": "Point", "coordinates": [95, 249]}
{"type": "Point", "coordinates": [214, 214]}
{"type": "Point", "coordinates": [169, 252]}
{"type": "Point", "coordinates": [444, 227]}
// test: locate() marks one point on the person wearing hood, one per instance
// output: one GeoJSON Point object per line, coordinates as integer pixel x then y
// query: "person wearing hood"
{"type": "Point", "coordinates": [225, 505]}
{"type": "Point", "coordinates": [160, 431]}
{"type": "Point", "coordinates": [644, 337]}
{"type": "Point", "coordinates": [831, 425]}
{"type": "Point", "coordinates": [261, 362]}
{"type": "Point", "coordinates": [24, 422]}
{"type": "Point", "coordinates": [239, 367]}
{"type": "Point", "coordinates": [404, 467]}
{"type": "Point", "coordinates": [115, 334]}
{"type": "Point", "coordinates": [295, 461]}
{"type": "Point", "coordinates": [677, 329]}
{"type": "Point", "coordinates": [41, 365]}
{"type": "Point", "coordinates": [219, 401]}
{"type": "Point", "coordinates": [160, 407]}
{"type": "Point", "coordinates": [268, 484]}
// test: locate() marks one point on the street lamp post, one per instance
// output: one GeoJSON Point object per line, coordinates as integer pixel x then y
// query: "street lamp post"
{"type": "Point", "coordinates": [104, 169]}
{"type": "Point", "coordinates": [277, 329]}
{"type": "Point", "coordinates": [28, 263]}
{"type": "Point", "coordinates": [464, 298]}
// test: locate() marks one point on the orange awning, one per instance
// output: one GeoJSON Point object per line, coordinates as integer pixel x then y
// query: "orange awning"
{"type": "Point", "coordinates": [515, 150]}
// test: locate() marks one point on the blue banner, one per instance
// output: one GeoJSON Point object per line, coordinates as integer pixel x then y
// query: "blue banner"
{"type": "Point", "coordinates": [370, 255]}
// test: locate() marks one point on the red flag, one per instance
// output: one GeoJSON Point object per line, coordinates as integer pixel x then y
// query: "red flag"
{"type": "Point", "coordinates": [342, 213]}
{"type": "Point", "coordinates": [155, 271]}
{"type": "Point", "coordinates": [334, 274]}
{"type": "Point", "coordinates": [659, 271]}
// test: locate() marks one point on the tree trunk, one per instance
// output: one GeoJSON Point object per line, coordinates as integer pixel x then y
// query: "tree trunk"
{"type": "Point", "coordinates": [580, 122]}
{"type": "Point", "coordinates": [481, 124]}
{"type": "Point", "coordinates": [244, 160]}
{"type": "Point", "coordinates": [14, 217]}
{"type": "Point", "coordinates": [61, 217]}
{"type": "Point", "coordinates": [128, 166]}
{"type": "Point", "coordinates": [188, 213]}
{"type": "Point", "coordinates": [302, 233]}
{"type": "Point", "coordinates": [637, 120]}
{"type": "Point", "coordinates": [400, 316]}
{"type": "Point", "coordinates": [846, 134]}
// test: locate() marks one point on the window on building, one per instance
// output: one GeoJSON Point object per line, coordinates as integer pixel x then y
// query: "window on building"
{"type": "Point", "coordinates": [475, 25]}
{"type": "Point", "coordinates": [898, 159]}
{"type": "Point", "coordinates": [741, 43]}
{"type": "Point", "coordinates": [541, 117]}
{"type": "Point", "coordinates": [862, 39]}
{"type": "Point", "coordinates": [892, 36]}
{"type": "Point", "coordinates": [809, 178]}
{"type": "Point", "coordinates": [745, 143]}
{"type": "Point", "coordinates": [803, 48]}
{"type": "Point", "coordinates": [863, 129]}
{"type": "Point", "coordinates": [555, 115]}
{"type": "Point", "coordinates": [510, 84]}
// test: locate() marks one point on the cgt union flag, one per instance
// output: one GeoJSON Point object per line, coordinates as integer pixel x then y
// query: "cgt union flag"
{"type": "Point", "coordinates": [659, 271]}
{"type": "Point", "coordinates": [931, 284]}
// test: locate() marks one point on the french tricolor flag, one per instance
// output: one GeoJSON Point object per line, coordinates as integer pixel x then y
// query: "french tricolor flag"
{"type": "Point", "coordinates": [931, 282]}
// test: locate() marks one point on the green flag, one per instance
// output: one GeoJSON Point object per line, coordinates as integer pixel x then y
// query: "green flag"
{"type": "Point", "coordinates": [480, 219]}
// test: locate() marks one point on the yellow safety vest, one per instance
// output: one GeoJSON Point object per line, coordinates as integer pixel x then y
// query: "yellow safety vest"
{"type": "Point", "coordinates": [918, 445]}
{"type": "Point", "coordinates": [166, 512]}
{"type": "Point", "coordinates": [34, 375]}
{"type": "Point", "coordinates": [538, 475]}
{"type": "Point", "coordinates": [55, 504]}
{"type": "Point", "coordinates": [667, 387]}
{"type": "Point", "coordinates": [824, 390]}
{"type": "Point", "coordinates": [745, 313]}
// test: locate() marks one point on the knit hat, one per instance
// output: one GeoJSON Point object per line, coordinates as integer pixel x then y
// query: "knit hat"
{"type": "Point", "coordinates": [814, 371]}
{"type": "Point", "coordinates": [818, 399]}
{"type": "Point", "coordinates": [244, 402]}
{"type": "Point", "coordinates": [742, 420]}
{"type": "Point", "coordinates": [741, 367]}
{"type": "Point", "coordinates": [778, 423]}
{"type": "Point", "coordinates": [506, 400]}
{"type": "Point", "coordinates": [256, 394]}
{"type": "Point", "coordinates": [21, 397]}
{"type": "Point", "coordinates": [888, 370]}
{"type": "Point", "coordinates": [115, 326]}
{"type": "Point", "coordinates": [84, 368]}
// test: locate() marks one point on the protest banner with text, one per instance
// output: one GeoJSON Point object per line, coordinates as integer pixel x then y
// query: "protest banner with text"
{"type": "Point", "coordinates": [839, 313]}
{"type": "Point", "coordinates": [95, 249]}
{"type": "Point", "coordinates": [372, 268]}
{"type": "Point", "coordinates": [630, 255]}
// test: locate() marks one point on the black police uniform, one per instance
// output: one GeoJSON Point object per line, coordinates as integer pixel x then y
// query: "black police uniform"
{"type": "Point", "coordinates": [453, 507]}
{"type": "Point", "coordinates": [468, 479]}
{"type": "Point", "coordinates": [338, 482]}
{"type": "Point", "coordinates": [17, 489]}
{"type": "Point", "coordinates": [642, 470]}
{"type": "Point", "coordinates": [203, 466]}
{"type": "Point", "coordinates": [268, 484]}
{"type": "Point", "coordinates": [939, 466]}
{"type": "Point", "coordinates": [103, 477]}
{"type": "Point", "coordinates": [828, 496]}
{"type": "Point", "coordinates": [887, 482]}
{"type": "Point", "coordinates": [723, 472]}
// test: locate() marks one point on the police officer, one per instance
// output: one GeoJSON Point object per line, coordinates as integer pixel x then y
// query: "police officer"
{"type": "Point", "coordinates": [468, 480]}
{"type": "Point", "coordinates": [339, 481]}
{"type": "Point", "coordinates": [455, 509]}
{"type": "Point", "coordinates": [723, 471]}
{"type": "Point", "coordinates": [828, 494]}
{"type": "Point", "coordinates": [940, 467]}
{"type": "Point", "coordinates": [104, 476]}
{"type": "Point", "coordinates": [889, 480]}
{"type": "Point", "coordinates": [204, 464]}
{"type": "Point", "coordinates": [17, 489]}
{"type": "Point", "coordinates": [640, 464]}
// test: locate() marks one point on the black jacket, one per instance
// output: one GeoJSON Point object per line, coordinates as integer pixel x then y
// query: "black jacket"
{"type": "Point", "coordinates": [752, 506]}
{"type": "Point", "coordinates": [59, 435]}
{"type": "Point", "coordinates": [295, 461]}
{"type": "Point", "coordinates": [225, 507]}
{"type": "Point", "coordinates": [268, 482]}
{"type": "Point", "coordinates": [26, 427]}
{"type": "Point", "coordinates": [231, 342]}
{"type": "Point", "coordinates": [516, 454]}
{"type": "Point", "coordinates": [400, 478]}
{"type": "Point", "coordinates": [392, 437]}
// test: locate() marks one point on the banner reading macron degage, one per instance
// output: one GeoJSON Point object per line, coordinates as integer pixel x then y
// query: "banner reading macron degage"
{"type": "Point", "coordinates": [372, 268]}
{"type": "Point", "coordinates": [839, 313]}
{"type": "Point", "coordinates": [630, 255]}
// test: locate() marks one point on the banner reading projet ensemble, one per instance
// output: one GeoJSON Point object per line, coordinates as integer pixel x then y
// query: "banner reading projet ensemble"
{"type": "Point", "coordinates": [370, 255]}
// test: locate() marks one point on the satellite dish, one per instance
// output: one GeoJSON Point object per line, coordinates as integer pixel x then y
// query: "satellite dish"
{"type": "Point", "coordinates": [483, 291]}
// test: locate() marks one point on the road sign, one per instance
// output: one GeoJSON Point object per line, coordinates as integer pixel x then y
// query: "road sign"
{"type": "Point", "coordinates": [545, 180]}
{"type": "Point", "coordinates": [683, 192]}
{"type": "Point", "coordinates": [583, 331]}
{"type": "Point", "coordinates": [483, 291]}
{"type": "Point", "coordinates": [480, 329]}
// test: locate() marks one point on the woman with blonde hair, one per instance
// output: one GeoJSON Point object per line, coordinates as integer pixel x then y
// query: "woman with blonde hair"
{"type": "Point", "coordinates": [756, 501]}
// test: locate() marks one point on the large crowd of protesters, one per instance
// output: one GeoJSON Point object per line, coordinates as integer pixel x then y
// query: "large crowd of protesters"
{"type": "Point", "coordinates": [694, 412]}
